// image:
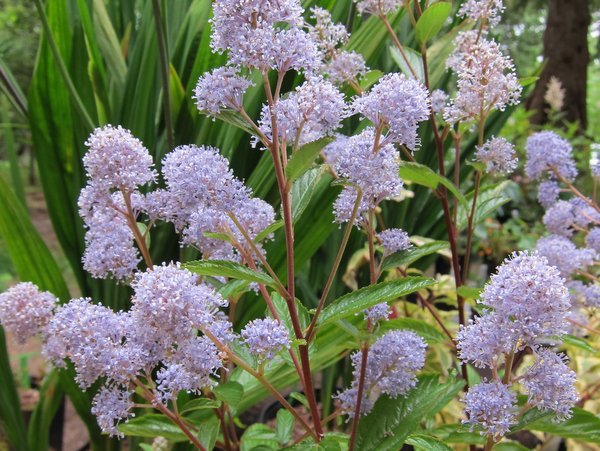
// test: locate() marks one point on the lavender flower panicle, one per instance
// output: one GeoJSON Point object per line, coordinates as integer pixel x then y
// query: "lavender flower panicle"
{"type": "Point", "coordinates": [592, 239]}
{"type": "Point", "coordinates": [345, 67]}
{"type": "Point", "coordinates": [398, 103]}
{"type": "Point", "coordinates": [392, 364]}
{"type": "Point", "coordinates": [439, 99]}
{"type": "Point", "coordinates": [550, 384]}
{"type": "Point", "coordinates": [547, 152]}
{"type": "Point", "coordinates": [327, 34]}
{"type": "Point", "coordinates": [486, 79]}
{"type": "Point", "coordinates": [492, 407]}
{"type": "Point", "coordinates": [314, 110]}
{"type": "Point", "coordinates": [548, 192]}
{"type": "Point", "coordinates": [201, 193]}
{"type": "Point", "coordinates": [116, 159]}
{"type": "Point", "coordinates": [485, 341]}
{"type": "Point", "coordinates": [354, 160]}
{"type": "Point", "coordinates": [528, 276]}
{"type": "Point", "coordinates": [265, 338]}
{"type": "Point", "coordinates": [111, 405]}
{"type": "Point", "coordinates": [564, 255]}
{"type": "Point", "coordinates": [220, 89]}
{"type": "Point", "coordinates": [25, 310]}
{"type": "Point", "coordinates": [560, 219]}
{"type": "Point", "coordinates": [498, 155]}
{"type": "Point", "coordinates": [394, 240]}
{"type": "Point", "coordinates": [377, 313]}
{"type": "Point", "coordinates": [484, 10]}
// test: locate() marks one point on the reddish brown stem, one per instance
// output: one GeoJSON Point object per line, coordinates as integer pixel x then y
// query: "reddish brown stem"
{"type": "Point", "coordinates": [470, 229]}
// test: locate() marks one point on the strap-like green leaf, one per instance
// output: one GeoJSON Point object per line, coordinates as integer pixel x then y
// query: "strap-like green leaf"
{"type": "Point", "coordinates": [366, 297]}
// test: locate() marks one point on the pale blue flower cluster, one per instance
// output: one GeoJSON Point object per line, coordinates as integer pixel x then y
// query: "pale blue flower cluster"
{"type": "Point", "coordinates": [564, 255]}
{"type": "Point", "coordinates": [392, 364]}
{"type": "Point", "coordinates": [487, 79]}
{"type": "Point", "coordinates": [398, 104]}
{"type": "Point", "coordinates": [355, 160]}
{"type": "Point", "coordinates": [492, 407]}
{"type": "Point", "coordinates": [394, 240]}
{"type": "Point", "coordinates": [498, 155]}
{"type": "Point", "coordinates": [25, 310]}
{"type": "Point", "coordinates": [547, 155]}
{"type": "Point", "coordinates": [484, 10]}
{"type": "Point", "coordinates": [265, 338]}
{"type": "Point", "coordinates": [223, 88]}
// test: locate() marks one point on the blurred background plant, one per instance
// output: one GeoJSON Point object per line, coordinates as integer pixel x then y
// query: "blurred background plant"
{"type": "Point", "coordinates": [69, 65]}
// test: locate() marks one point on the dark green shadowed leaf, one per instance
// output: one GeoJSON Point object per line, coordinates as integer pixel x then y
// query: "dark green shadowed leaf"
{"type": "Point", "coordinates": [366, 297]}
{"type": "Point", "coordinates": [391, 421]}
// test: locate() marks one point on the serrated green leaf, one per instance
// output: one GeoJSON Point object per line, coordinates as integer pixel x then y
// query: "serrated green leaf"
{"type": "Point", "coordinates": [208, 432]}
{"type": "Point", "coordinates": [226, 268]}
{"type": "Point", "coordinates": [413, 254]}
{"type": "Point", "coordinates": [231, 393]}
{"type": "Point", "coordinates": [583, 425]}
{"type": "Point", "coordinates": [304, 157]}
{"type": "Point", "coordinates": [432, 20]}
{"type": "Point", "coordinates": [284, 426]}
{"type": "Point", "coordinates": [426, 443]}
{"type": "Point", "coordinates": [366, 297]}
{"type": "Point", "coordinates": [392, 420]}
{"type": "Point", "coordinates": [489, 200]}
{"type": "Point", "coordinates": [199, 404]}
{"type": "Point", "coordinates": [304, 188]}
{"type": "Point", "coordinates": [259, 435]}
{"type": "Point", "coordinates": [423, 175]}
{"type": "Point", "coordinates": [425, 330]}
{"type": "Point", "coordinates": [234, 288]}
{"type": "Point", "coordinates": [152, 425]}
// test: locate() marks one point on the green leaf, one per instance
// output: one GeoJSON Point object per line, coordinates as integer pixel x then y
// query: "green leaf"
{"type": "Point", "coordinates": [284, 426]}
{"type": "Point", "coordinates": [259, 435]}
{"type": "Point", "coordinates": [366, 297]}
{"type": "Point", "coordinates": [510, 446]}
{"type": "Point", "coordinates": [426, 442]}
{"type": "Point", "coordinates": [583, 425]}
{"type": "Point", "coordinates": [526, 81]}
{"type": "Point", "coordinates": [469, 292]}
{"type": "Point", "coordinates": [199, 404]}
{"type": "Point", "coordinates": [578, 343]}
{"type": "Point", "coordinates": [304, 188]}
{"type": "Point", "coordinates": [370, 78]}
{"type": "Point", "coordinates": [392, 420]}
{"type": "Point", "coordinates": [413, 254]}
{"type": "Point", "coordinates": [269, 230]}
{"type": "Point", "coordinates": [152, 425]}
{"type": "Point", "coordinates": [10, 406]}
{"type": "Point", "coordinates": [432, 21]}
{"type": "Point", "coordinates": [423, 175]}
{"type": "Point", "coordinates": [51, 398]}
{"type": "Point", "coordinates": [414, 59]}
{"type": "Point", "coordinates": [209, 430]}
{"type": "Point", "coordinates": [234, 288]}
{"type": "Point", "coordinates": [425, 330]}
{"type": "Point", "coordinates": [304, 157]}
{"type": "Point", "coordinates": [300, 398]}
{"type": "Point", "coordinates": [489, 200]}
{"type": "Point", "coordinates": [231, 393]}
{"type": "Point", "coordinates": [226, 268]}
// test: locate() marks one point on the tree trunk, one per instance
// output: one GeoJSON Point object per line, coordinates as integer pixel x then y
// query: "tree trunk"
{"type": "Point", "coordinates": [566, 57]}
